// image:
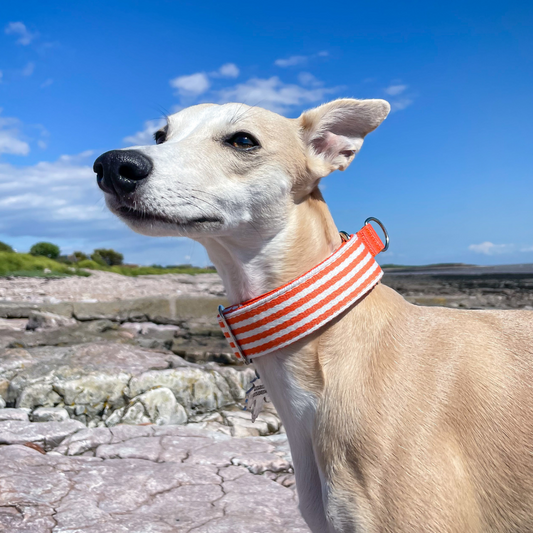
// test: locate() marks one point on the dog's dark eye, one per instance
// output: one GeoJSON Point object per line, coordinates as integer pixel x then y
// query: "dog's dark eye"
{"type": "Point", "coordinates": [160, 137]}
{"type": "Point", "coordinates": [243, 141]}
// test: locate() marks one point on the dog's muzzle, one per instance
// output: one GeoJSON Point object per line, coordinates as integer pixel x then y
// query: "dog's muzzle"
{"type": "Point", "coordinates": [120, 171]}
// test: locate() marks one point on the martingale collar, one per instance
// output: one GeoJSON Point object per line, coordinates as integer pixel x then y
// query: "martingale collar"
{"type": "Point", "coordinates": [296, 309]}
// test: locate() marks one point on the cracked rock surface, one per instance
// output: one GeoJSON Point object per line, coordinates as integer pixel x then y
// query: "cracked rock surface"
{"type": "Point", "coordinates": [143, 479]}
{"type": "Point", "coordinates": [121, 404]}
{"type": "Point", "coordinates": [126, 416]}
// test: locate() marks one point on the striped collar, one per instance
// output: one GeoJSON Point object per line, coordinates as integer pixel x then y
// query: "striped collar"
{"type": "Point", "coordinates": [296, 309]}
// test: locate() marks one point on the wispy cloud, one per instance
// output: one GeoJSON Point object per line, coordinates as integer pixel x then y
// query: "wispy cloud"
{"type": "Point", "coordinates": [394, 90]}
{"type": "Point", "coordinates": [291, 61]}
{"type": "Point", "coordinates": [144, 137]}
{"type": "Point", "coordinates": [400, 100]}
{"type": "Point", "coordinates": [47, 83]}
{"type": "Point", "coordinates": [274, 94]}
{"type": "Point", "coordinates": [65, 188]}
{"type": "Point", "coordinates": [489, 248]}
{"type": "Point", "coordinates": [25, 37]}
{"type": "Point", "coordinates": [271, 93]}
{"type": "Point", "coordinates": [191, 85]}
{"type": "Point", "coordinates": [306, 78]}
{"type": "Point", "coordinates": [295, 60]}
{"type": "Point", "coordinates": [63, 192]}
{"type": "Point", "coordinates": [229, 70]}
{"type": "Point", "coordinates": [59, 201]}
{"type": "Point", "coordinates": [400, 104]}
{"type": "Point", "coordinates": [28, 69]}
{"type": "Point", "coordinates": [10, 141]}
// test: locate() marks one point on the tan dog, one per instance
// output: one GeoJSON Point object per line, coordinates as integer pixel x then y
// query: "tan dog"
{"type": "Point", "coordinates": [400, 418]}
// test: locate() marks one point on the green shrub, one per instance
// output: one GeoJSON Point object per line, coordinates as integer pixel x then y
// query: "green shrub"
{"type": "Point", "coordinates": [89, 263]}
{"type": "Point", "coordinates": [98, 259]}
{"type": "Point", "coordinates": [109, 256]}
{"type": "Point", "coordinates": [65, 259]}
{"type": "Point", "coordinates": [45, 249]}
{"type": "Point", "coordinates": [5, 247]}
{"type": "Point", "coordinates": [127, 270]}
{"type": "Point", "coordinates": [78, 256]}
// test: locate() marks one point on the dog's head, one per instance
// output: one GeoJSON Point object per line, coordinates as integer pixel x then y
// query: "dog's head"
{"type": "Point", "coordinates": [217, 169]}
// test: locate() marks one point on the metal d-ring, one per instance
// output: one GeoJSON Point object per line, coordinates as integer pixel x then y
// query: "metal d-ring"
{"type": "Point", "coordinates": [377, 221]}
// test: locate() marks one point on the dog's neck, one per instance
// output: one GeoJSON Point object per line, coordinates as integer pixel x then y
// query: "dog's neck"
{"type": "Point", "coordinates": [252, 264]}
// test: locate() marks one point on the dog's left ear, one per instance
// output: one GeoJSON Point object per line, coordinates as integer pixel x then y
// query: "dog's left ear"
{"type": "Point", "coordinates": [334, 132]}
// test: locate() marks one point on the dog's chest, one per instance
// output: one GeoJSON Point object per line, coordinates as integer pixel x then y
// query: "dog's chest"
{"type": "Point", "coordinates": [294, 402]}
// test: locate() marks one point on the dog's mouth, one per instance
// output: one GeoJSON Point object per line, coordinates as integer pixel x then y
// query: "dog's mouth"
{"type": "Point", "coordinates": [138, 215]}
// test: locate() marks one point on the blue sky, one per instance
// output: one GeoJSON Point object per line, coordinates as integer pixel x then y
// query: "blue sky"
{"type": "Point", "coordinates": [450, 172]}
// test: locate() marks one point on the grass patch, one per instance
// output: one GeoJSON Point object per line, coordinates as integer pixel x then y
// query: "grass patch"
{"type": "Point", "coordinates": [42, 274]}
{"type": "Point", "coordinates": [26, 265]}
{"type": "Point", "coordinates": [128, 270]}
{"type": "Point", "coordinates": [15, 264]}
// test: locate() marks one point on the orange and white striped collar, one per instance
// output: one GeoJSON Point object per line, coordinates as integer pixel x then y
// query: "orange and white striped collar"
{"type": "Point", "coordinates": [296, 309]}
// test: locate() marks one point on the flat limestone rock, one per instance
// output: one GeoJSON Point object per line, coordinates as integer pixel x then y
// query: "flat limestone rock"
{"type": "Point", "coordinates": [146, 479]}
{"type": "Point", "coordinates": [46, 434]}
{"type": "Point", "coordinates": [19, 415]}
{"type": "Point", "coordinates": [50, 414]}
{"type": "Point", "coordinates": [110, 383]}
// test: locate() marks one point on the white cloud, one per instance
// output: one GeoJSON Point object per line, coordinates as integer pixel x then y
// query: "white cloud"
{"type": "Point", "coordinates": [47, 83]}
{"type": "Point", "coordinates": [18, 28]}
{"type": "Point", "coordinates": [306, 78]}
{"type": "Point", "coordinates": [28, 69]}
{"type": "Point", "coordinates": [400, 100]}
{"type": "Point", "coordinates": [229, 70]}
{"type": "Point", "coordinates": [192, 85]}
{"type": "Point", "coordinates": [291, 61]}
{"type": "Point", "coordinates": [527, 248]}
{"type": "Point", "coordinates": [60, 202]}
{"type": "Point", "coordinates": [146, 136]}
{"type": "Point", "coordinates": [400, 104]}
{"type": "Point", "coordinates": [76, 158]}
{"type": "Point", "coordinates": [48, 194]}
{"type": "Point", "coordinates": [10, 142]}
{"type": "Point", "coordinates": [394, 90]}
{"type": "Point", "coordinates": [272, 94]}
{"type": "Point", "coordinates": [489, 248]}
{"type": "Point", "coordinates": [1, 76]}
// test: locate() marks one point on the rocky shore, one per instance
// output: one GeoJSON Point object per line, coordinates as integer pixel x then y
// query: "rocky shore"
{"type": "Point", "coordinates": [121, 406]}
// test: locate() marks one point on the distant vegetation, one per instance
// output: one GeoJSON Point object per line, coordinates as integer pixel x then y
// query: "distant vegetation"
{"type": "Point", "coordinates": [45, 249]}
{"type": "Point", "coordinates": [5, 247]}
{"type": "Point", "coordinates": [135, 270]}
{"type": "Point", "coordinates": [14, 264]}
{"type": "Point", "coordinates": [45, 260]}
{"type": "Point", "coordinates": [107, 257]}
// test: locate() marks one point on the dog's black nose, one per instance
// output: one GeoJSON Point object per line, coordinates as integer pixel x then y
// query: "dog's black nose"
{"type": "Point", "coordinates": [119, 171]}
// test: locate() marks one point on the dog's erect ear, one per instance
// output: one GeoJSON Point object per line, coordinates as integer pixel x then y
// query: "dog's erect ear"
{"type": "Point", "coordinates": [334, 132]}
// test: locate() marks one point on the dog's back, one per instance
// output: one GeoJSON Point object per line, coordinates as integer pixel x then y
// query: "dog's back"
{"type": "Point", "coordinates": [439, 428]}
